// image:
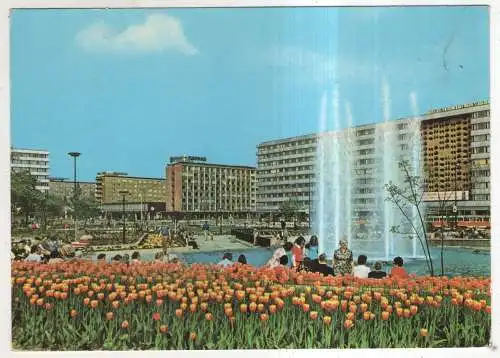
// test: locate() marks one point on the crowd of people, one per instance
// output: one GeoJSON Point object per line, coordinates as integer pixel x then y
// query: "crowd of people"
{"type": "Point", "coordinates": [299, 255]}
{"type": "Point", "coordinates": [303, 256]}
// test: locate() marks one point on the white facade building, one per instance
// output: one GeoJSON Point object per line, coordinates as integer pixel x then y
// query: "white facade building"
{"type": "Point", "coordinates": [32, 160]}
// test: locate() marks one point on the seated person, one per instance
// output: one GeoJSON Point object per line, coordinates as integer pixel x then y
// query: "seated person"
{"type": "Point", "coordinates": [101, 258]}
{"type": "Point", "coordinates": [227, 260]}
{"type": "Point", "coordinates": [398, 269]}
{"type": "Point", "coordinates": [377, 271]}
{"type": "Point", "coordinates": [192, 242]}
{"type": "Point", "coordinates": [361, 270]}
{"type": "Point", "coordinates": [136, 257]}
{"type": "Point", "coordinates": [242, 259]}
{"type": "Point", "coordinates": [35, 254]}
{"type": "Point", "coordinates": [283, 261]}
{"type": "Point", "coordinates": [320, 265]}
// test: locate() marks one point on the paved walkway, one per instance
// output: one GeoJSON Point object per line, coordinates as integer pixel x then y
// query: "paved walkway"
{"type": "Point", "coordinates": [220, 243]}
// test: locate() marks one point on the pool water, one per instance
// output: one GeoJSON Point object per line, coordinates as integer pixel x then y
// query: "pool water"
{"type": "Point", "coordinates": [457, 261]}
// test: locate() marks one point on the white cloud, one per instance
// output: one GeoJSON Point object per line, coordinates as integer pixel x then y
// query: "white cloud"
{"type": "Point", "coordinates": [158, 33]}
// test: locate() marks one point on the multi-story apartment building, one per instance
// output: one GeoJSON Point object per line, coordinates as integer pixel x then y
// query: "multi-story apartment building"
{"type": "Point", "coordinates": [454, 145]}
{"type": "Point", "coordinates": [32, 160]}
{"type": "Point", "coordinates": [193, 185]}
{"type": "Point", "coordinates": [456, 153]}
{"type": "Point", "coordinates": [109, 186]}
{"type": "Point", "coordinates": [63, 188]}
{"type": "Point", "coordinates": [288, 168]}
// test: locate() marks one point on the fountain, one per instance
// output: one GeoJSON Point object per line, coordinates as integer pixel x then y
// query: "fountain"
{"type": "Point", "coordinates": [350, 188]}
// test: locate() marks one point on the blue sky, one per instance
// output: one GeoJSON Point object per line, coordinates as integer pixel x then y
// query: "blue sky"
{"type": "Point", "coordinates": [129, 88]}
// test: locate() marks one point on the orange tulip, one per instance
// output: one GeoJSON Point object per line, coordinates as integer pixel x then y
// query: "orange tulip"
{"type": "Point", "coordinates": [350, 316]}
{"type": "Point", "coordinates": [208, 316]}
{"type": "Point", "coordinates": [264, 317]}
{"type": "Point", "coordinates": [73, 313]}
{"type": "Point", "coordinates": [115, 304]}
{"type": "Point", "coordinates": [348, 324]}
{"type": "Point", "coordinates": [252, 306]}
{"type": "Point", "coordinates": [424, 332]}
{"type": "Point", "coordinates": [272, 308]}
{"type": "Point", "coordinates": [313, 315]}
{"type": "Point", "coordinates": [406, 313]}
{"type": "Point", "coordinates": [385, 315]}
{"type": "Point", "coordinates": [163, 328]}
{"type": "Point", "coordinates": [192, 336]}
{"type": "Point", "coordinates": [243, 308]}
{"type": "Point", "coordinates": [94, 303]}
{"type": "Point", "coordinates": [109, 316]}
{"type": "Point", "coordinates": [305, 307]}
{"type": "Point", "coordinates": [260, 307]}
{"type": "Point", "coordinates": [399, 312]}
{"type": "Point", "coordinates": [179, 312]}
{"type": "Point", "coordinates": [156, 316]}
{"type": "Point", "coordinates": [327, 320]}
{"type": "Point", "coordinates": [413, 309]}
{"type": "Point", "coordinates": [193, 307]}
{"type": "Point", "coordinates": [366, 315]}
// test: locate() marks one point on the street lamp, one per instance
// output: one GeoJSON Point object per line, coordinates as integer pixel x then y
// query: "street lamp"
{"type": "Point", "coordinates": [455, 208]}
{"type": "Point", "coordinates": [74, 155]}
{"type": "Point", "coordinates": [140, 196]}
{"type": "Point", "coordinates": [123, 193]}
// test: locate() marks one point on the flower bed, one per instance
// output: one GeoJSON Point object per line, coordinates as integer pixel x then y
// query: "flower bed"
{"type": "Point", "coordinates": [88, 306]}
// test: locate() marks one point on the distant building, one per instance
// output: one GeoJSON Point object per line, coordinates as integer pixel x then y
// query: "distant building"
{"type": "Point", "coordinates": [456, 153]}
{"type": "Point", "coordinates": [287, 168]}
{"type": "Point", "coordinates": [139, 189]}
{"type": "Point", "coordinates": [193, 185]}
{"type": "Point", "coordinates": [63, 188]}
{"type": "Point", "coordinates": [455, 144]}
{"type": "Point", "coordinates": [32, 160]}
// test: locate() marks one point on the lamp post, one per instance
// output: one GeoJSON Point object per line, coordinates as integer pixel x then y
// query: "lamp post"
{"type": "Point", "coordinates": [140, 196]}
{"type": "Point", "coordinates": [123, 193]}
{"type": "Point", "coordinates": [74, 155]}
{"type": "Point", "coordinates": [220, 219]}
{"type": "Point", "coordinates": [455, 208]}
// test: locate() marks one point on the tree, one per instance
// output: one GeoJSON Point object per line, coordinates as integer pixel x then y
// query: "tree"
{"type": "Point", "coordinates": [25, 197]}
{"type": "Point", "coordinates": [289, 208]}
{"type": "Point", "coordinates": [84, 207]}
{"type": "Point", "coordinates": [408, 198]}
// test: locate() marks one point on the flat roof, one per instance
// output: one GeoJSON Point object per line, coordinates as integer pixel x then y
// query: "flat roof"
{"type": "Point", "coordinates": [439, 113]}
{"type": "Point", "coordinates": [44, 151]}
{"type": "Point", "coordinates": [128, 177]}
{"type": "Point", "coordinates": [202, 164]}
{"type": "Point", "coordinates": [69, 181]}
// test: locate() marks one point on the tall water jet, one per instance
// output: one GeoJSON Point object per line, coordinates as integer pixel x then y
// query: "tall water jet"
{"type": "Point", "coordinates": [387, 157]}
{"type": "Point", "coordinates": [321, 171]}
{"type": "Point", "coordinates": [415, 153]}
{"type": "Point", "coordinates": [353, 166]}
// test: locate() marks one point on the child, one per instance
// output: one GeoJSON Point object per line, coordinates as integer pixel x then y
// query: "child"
{"type": "Point", "coordinates": [397, 270]}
